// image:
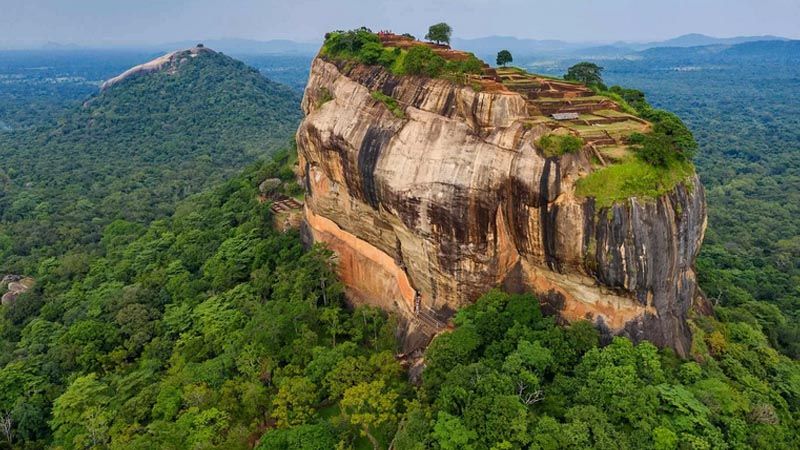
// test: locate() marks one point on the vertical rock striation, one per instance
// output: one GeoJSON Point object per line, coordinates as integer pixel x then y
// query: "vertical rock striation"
{"type": "Point", "coordinates": [428, 211]}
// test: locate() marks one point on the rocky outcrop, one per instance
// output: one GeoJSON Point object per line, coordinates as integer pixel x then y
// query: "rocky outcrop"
{"type": "Point", "coordinates": [168, 62]}
{"type": "Point", "coordinates": [13, 286]}
{"type": "Point", "coordinates": [429, 210]}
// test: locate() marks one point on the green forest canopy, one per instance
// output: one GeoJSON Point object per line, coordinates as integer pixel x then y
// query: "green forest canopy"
{"type": "Point", "coordinates": [209, 329]}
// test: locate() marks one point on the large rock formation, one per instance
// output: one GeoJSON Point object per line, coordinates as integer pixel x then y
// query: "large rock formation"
{"type": "Point", "coordinates": [170, 62]}
{"type": "Point", "coordinates": [429, 210]}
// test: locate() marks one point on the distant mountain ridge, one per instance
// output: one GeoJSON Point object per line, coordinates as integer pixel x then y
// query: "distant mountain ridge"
{"type": "Point", "coordinates": [697, 40]}
{"type": "Point", "coordinates": [491, 44]}
{"type": "Point", "coordinates": [487, 47]}
{"type": "Point", "coordinates": [224, 45]}
{"type": "Point", "coordinates": [481, 46]}
{"type": "Point", "coordinates": [769, 49]}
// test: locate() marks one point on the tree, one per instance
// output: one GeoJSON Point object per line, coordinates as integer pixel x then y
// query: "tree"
{"type": "Point", "coordinates": [526, 366]}
{"type": "Point", "coordinates": [318, 436]}
{"type": "Point", "coordinates": [451, 434]}
{"type": "Point", "coordinates": [7, 426]}
{"type": "Point", "coordinates": [333, 318]}
{"type": "Point", "coordinates": [293, 405]}
{"type": "Point", "coordinates": [590, 425]}
{"type": "Point", "coordinates": [371, 52]}
{"type": "Point", "coordinates": [586, 73]}
{"type": "Point", "coordinates": [439, 33]}
{"type": "Point", "coordinates": [655, 149]}
{"type": "Point", "coordinates": [80, 417]}
{"type": "Point", "coordinates": [348, 372]}
{"type": "Point", "coordinates": [664, 439]}
{"type": "Point", "coordinates": [421, 60]}
{"type": "Point", "coordinates": [497, 419]}
{"type": "Point", "coordinates": [412, 434]}
{"type": "Point", "coordinates": [370, 406]}
{"type": "Point", "coordinates": [504, 57]}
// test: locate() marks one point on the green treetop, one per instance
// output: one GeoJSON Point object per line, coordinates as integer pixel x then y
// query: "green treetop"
{"type": "Point", "coordinates": [504, 57]}
{"type": "Point", "coordinates": [586, 73]}
{"type": "Point", "coordinates": [439, 33]}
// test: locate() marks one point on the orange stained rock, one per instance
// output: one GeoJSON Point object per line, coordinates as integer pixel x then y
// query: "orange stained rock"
{"type": "Point", "coordinates": [616, 311]}
{"type": "Point", "coordinates": [368, 272]}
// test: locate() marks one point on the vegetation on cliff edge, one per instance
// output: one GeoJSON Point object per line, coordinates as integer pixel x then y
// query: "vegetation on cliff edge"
{"type": "Point", "coordinates": [557, 145]}
{"type": "Point", "coordinates": [632, 177]}
{"type": "Point", "coordinates": [662, 158]}
{"type": "Point", "coordinates": [364, 47]}
{"type": "Point", "coordinates": [390, 103]}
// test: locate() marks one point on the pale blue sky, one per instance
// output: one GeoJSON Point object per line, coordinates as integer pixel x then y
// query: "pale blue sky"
{"type": "Point", "coordinates": [155, 21]}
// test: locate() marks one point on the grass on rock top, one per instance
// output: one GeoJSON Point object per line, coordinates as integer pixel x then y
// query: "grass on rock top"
{"type": "Point", "coordinates": [632, 178]}
{"type": "Point", "coordinates": [390, 103]}
{"type": "Point", "coordinates": [555, 145]}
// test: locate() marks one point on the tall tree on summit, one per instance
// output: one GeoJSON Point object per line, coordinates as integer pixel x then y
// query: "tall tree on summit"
{"type": "Point", "coordinates": [504, 57]}
{"type": "Point", "coordinates": [439, 33]}
{"type": "Point", "coordinates": [586, 73]}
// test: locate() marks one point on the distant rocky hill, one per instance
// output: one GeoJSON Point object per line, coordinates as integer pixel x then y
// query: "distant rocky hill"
{"type": "Point", "coordinates": [169, 63]}
{"type": "Point", "coordinates": [151, 136]}
{"type": "Point", "coordinates": [775, 49]}
{"type": "Point", "coordinates": [697, 39]}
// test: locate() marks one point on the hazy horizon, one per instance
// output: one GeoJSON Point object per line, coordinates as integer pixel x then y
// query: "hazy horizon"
{"type": "Point", "coordinates": [96, 23]}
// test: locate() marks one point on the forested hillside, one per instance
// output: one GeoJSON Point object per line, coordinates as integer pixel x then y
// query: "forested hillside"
{"type": "Point", "coordinates": [132, 152]}
{"type": "Point", "coordinates": [176, 337]}
{"type": "Point", "coordinates": [210, 329]}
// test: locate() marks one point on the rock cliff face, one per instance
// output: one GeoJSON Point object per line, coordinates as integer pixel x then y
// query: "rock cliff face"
{"type": "Point", "coordinates": [429, 210]}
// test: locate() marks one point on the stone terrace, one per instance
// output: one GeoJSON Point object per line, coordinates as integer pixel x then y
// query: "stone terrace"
{"type": "Point", "coordinates": [600, 121]}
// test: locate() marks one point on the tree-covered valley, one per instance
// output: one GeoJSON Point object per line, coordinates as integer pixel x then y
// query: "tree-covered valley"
{"type": "Point", "coordinates": [170, 312]}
